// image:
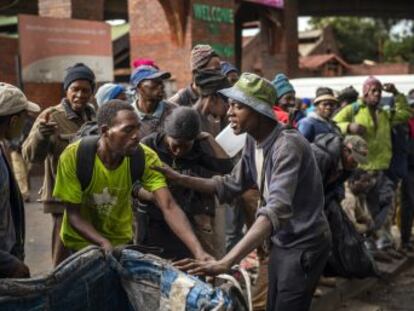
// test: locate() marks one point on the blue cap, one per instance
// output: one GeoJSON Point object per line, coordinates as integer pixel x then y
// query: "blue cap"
{"type": "Point", "coordinates": [282, 85]}
{"type": "Point", "coordinates": [107, 92]}
{"type": "Point", "coordinates": [147, 73]}
{"type": "Point", "coordinates": [306, 101]}
{"type": "Point", "coordinates": [226, 68]}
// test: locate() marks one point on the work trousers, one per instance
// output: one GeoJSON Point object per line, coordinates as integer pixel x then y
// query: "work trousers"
{"type": "Point", "coordinates": [157, 233]}
{"type": "Point", "coordinates": [242, 213]}
{"type": "Point", "coordinates": [407, 206]}
{"type": "Point", "coordinates": [294, 275]}
{"type": "Point", "coordinates": [380, 202]}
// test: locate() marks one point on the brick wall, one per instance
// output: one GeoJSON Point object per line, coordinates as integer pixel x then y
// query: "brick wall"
{"type": "Point", "coordinates": [381, 69]}
{"type": "Point", "coordinates": [166, 31]}
{"type": "Point", "coordinates": [8, 52]}
{"type": "Point", "coordinates": [55, 8]}
{"type": "Point", "coordinates": [49, 94]}
{"type": "Point", "coordinates": [91, 10]}
{"type": "Point", "coordinates": [150, 37]}
{"type": "Point", "coordinates": [44, 94]}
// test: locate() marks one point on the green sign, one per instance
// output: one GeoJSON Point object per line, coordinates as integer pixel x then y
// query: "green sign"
{"type": "Point", "coordinates": [224, 50]}
{"type": "Point", "coordinates": [213, 14]}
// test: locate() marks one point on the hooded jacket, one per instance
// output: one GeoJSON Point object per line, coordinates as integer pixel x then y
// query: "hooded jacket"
{"type": "Point", "coordinates": [377, 137]}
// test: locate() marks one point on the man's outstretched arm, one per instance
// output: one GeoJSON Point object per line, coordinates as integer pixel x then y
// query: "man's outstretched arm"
{"type": "Point", "coordinates": [260, 230]}
{"type": "Point", "coordinates": [204, 185]}
{"type": "Point", "coordinates": [178, 222]}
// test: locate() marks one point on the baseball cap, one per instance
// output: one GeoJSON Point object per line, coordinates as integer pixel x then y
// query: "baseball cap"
{"type": "Point", "coordinates": [12, 100]}
{"type": "Point", "coordinates": [358, 147]}
{"type": "Point", "coordinates": [147, 73]}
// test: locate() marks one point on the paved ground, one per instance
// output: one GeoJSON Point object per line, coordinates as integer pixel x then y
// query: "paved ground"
{"type": "Point", "coordinates": [394, 295]}
{"type": "Point", "coordinates": [38, 234]}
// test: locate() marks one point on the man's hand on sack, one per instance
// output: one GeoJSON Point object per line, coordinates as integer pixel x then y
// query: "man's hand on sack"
{"type": "Point", "coordinates": [106, 246]}
{"type": "Point", "coordinates": [202, 267]}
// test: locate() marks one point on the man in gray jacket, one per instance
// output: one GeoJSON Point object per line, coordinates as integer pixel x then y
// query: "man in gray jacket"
{"type": "Point", "coordinates": [280, 162]}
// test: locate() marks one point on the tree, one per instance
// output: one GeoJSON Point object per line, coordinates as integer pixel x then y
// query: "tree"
{"type": "Point", "coordinates": [401, 50]}
{"type": "Point", "coordinates": [360, 39]}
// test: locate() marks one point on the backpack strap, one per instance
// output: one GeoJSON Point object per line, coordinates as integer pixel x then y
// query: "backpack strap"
{"type": "Point", "coordinates": [85, 158]}
{"type": "Point", "coordinates": [137, 164]}
{"type": "Point", "coordinates": [355, 108]}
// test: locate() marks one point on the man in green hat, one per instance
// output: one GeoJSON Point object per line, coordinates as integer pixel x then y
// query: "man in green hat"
{"type": "Point", "coordinates": [290, 212]}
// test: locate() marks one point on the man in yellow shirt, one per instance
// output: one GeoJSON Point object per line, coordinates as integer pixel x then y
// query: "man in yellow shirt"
{"type": "Point", "coordinates": [101, 213]}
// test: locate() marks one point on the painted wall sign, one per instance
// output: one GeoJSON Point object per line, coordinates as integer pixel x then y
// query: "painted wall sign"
{"type": "Point", "coordinates": [217, 24]}
{"type": "Point", "coordinates": [50, 45]}
{"type": "Point", "coordinates": [214, 14]}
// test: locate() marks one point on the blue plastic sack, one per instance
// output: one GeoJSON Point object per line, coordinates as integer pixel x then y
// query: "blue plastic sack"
{"type": "Point", "coordinates": [127, 280]}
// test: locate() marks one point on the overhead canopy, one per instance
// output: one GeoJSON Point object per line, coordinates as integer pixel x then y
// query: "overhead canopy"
{"type": "Point", "coordinates": [272, 3]}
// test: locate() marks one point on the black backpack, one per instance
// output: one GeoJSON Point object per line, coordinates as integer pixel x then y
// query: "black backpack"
{"type": "Point", "coordinates": [85, 156]}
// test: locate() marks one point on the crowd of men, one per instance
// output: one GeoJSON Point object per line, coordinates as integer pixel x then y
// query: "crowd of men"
{"type": "Point", "coordinates": [124, 165]}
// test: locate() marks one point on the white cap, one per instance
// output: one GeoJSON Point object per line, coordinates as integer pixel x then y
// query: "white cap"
{"type": "Point", "coordinates": [12, 100]}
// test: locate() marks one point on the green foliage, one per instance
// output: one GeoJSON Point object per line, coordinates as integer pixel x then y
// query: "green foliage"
{"type": "Point", "coordinates": [360, 39]}
{"type": "Point", "coordinates": [397, 51]}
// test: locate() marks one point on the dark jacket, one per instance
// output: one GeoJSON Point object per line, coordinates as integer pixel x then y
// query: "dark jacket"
{"type": "Point", "coordinates": [151, 123]}
{"type": "Point", "coordinates": [294, 200]}
{"type": "Point", "coordinates": [200, 161]}
{"type": "Point", "coordinates": [312, 126]}
{"type": "Point", "coordinates": [327, 149]}
{"type": "Point", "coordinates": [185, 97]}
{"type": "Point", "coordinates": [17, 206]}
{"type": "Point", "coordinates": [400, 152]}
{"type": "Point", "coordinates": [410, 144]}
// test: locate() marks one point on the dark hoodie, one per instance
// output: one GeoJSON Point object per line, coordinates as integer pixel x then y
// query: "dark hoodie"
{"type": "Point", "coordinates": [327, 150]}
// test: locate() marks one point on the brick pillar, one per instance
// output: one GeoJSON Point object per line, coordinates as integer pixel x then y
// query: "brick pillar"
{"type": "Point", "coordinates": [290, 38]}
{"type": "Point", "coordinates": [285, 54]}
{"type": "Point", "coordinates": [275, 48]}
{"type": "Point", "coordinates": [80, 9]}
{"type": "Point", "coordinates": [166, 31]}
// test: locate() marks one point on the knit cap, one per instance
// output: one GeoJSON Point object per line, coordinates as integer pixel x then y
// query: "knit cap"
{"type": "Point", "coordinates": [226, 68]}
{"type": "Point", "coordinates": [282, 85]}
{"type": "Point", "coordinates": [78, 71]}
{"type": "Point", "coordinates": [144, 61]}
{"type": "Point", "coordinates": [107, 92]}
{"type": "Point", "coordinates": [201, 55]}
{"type": "Point", "coordinates": [369, 83]}
{"type": "Point", "coordinates": [349, 94]}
